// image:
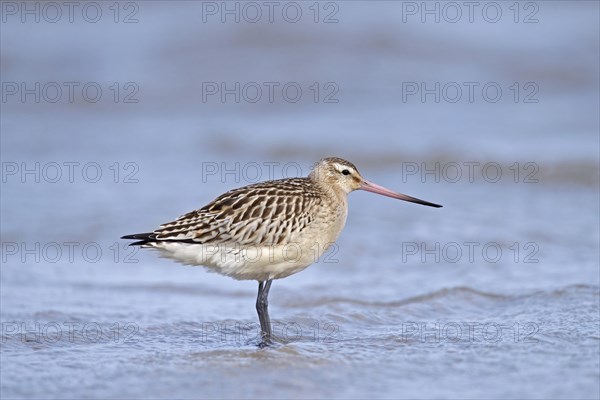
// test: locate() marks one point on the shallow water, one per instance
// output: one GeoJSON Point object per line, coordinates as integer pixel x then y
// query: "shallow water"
{"type": "Point", "coordinates": [496, 295]}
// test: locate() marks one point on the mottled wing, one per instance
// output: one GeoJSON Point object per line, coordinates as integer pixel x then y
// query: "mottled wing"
{"type": "Point", "coordinates": [266, 213]}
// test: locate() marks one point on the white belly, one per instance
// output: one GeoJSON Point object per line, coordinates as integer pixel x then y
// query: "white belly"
{"type": "Point", "coordinates": [260, 262]}
{"type": "Point", "coordinates": [244, 262]}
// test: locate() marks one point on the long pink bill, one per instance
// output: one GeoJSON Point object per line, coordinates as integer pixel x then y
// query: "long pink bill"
{"type": "Point", "coordinates": [371, 187]}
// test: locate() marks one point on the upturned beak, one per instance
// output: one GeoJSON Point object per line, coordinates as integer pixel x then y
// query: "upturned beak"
{"type": "Point", "coordinates": [372, 187]}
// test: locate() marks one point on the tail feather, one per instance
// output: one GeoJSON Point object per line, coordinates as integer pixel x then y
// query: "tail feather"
{"type": "Point", "coordinates": [143, 238]}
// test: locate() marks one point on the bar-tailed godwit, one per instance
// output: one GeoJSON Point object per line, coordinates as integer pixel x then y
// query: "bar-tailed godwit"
{"type": "Point", "coordinates": [268, 230]}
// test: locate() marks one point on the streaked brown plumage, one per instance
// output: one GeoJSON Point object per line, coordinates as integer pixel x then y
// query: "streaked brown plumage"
{"type": "Point", "coordinates": [266, 213]}
{"type": "Point", "coordinates": [247, 233]}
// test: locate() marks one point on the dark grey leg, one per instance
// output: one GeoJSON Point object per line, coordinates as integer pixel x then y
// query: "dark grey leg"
{"type": "Point", "coordinates": [262, 307]}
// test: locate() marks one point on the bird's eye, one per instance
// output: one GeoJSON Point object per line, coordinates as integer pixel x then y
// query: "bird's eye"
{"type": "Point", "coordinates": [346, 172]}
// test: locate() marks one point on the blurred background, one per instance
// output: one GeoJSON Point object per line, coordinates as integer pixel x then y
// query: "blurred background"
{"type": "Point", "coordinates": [119, 116]}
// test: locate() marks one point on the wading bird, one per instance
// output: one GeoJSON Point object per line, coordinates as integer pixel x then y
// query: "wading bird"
{"type": "Point", "coordinates": [269, 230]}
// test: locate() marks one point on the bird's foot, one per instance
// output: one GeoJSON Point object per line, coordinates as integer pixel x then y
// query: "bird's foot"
{"type": "Point", "coordinates": [267, 341]}
{"type": "Point", "coordinates": [264, 344]}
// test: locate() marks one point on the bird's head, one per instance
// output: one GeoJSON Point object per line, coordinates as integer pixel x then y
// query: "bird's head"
{"type": "Point", "coordinates": [337, 173]}
{"type": "Point", "coordinates": [342, 175]}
